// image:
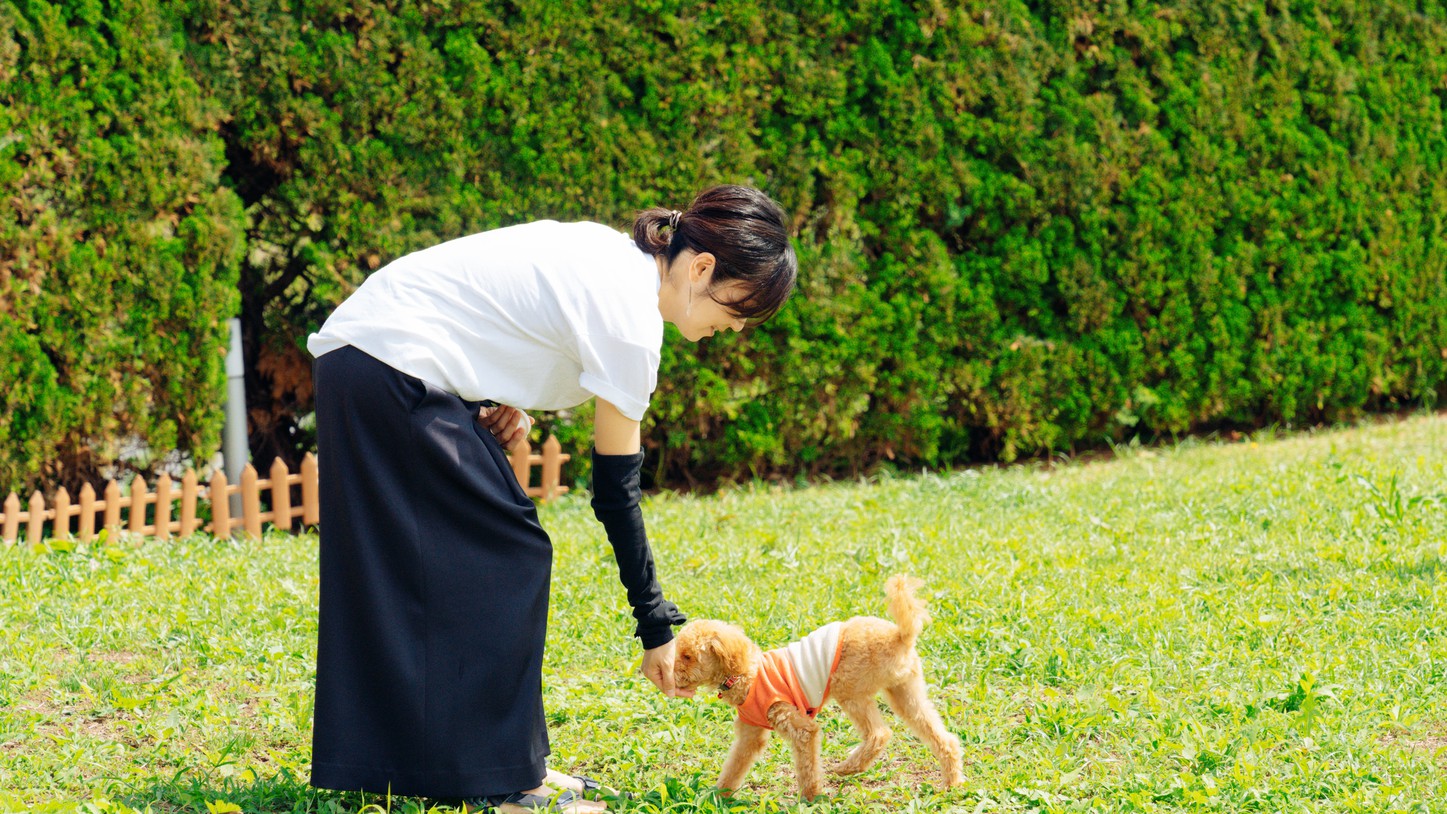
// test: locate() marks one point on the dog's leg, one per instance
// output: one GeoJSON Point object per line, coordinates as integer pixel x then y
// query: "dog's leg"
{"type": "Point", "coordinates": [749, 743]}
{"type": "Point", "coordinates": [910, 702]}
{"type": "Point", "coordinates": [874, 734]}
{"type": "Point", "coordinates": [804, 735]}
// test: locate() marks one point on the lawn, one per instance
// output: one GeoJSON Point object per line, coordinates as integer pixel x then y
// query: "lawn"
{"type": "Point", "coordinates": [1257, 624]}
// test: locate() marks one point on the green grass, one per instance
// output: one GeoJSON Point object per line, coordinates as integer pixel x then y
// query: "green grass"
{"type": "Point", "coordinates": [1250, 626]}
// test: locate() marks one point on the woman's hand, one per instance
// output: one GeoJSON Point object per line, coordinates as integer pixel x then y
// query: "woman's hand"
{"type": "Point", "coordinates": [507, 424]}
{"type": "Point", "coordinates": [658, 667]}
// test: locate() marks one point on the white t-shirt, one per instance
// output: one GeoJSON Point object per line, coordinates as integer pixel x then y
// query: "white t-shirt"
{"type": "Point", "coordinates": [539, 316]}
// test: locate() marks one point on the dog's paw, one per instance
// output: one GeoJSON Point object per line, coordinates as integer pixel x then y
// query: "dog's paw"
{"type": "Point", "coordinates": [844, 768]}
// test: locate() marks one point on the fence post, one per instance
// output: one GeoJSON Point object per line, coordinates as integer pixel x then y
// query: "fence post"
{"type": "Point", "coordinates": [310, 506]}
{"type": "Point", "coordinates": [139, 492]}
{"type": "Point", "coordinates": [87, 513]}
{"type": "Point", "coordinates": [188, 503]}
{"type": "Point", "coordinates": [113, 507]}
{"type": "Point", "coordinates": [37, 518]}
{"type": "Point", "coordinates": [552, 466]}
{"type": "Point", "coordinates": [250, 502]}
{"type": "Point", "coordinates": [12, 518]}
{"type": "Point", "coordinates": [280, 495]}
{"type": "Point", "coordinates": [163, 506]}
{"type": "Point", "coordinates": [61, 529]}
{"type": "Point", "coordinates": [220, 507]}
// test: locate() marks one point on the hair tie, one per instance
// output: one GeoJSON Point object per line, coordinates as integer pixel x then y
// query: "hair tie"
{"type": "Point", "coordinates": [674, 218]}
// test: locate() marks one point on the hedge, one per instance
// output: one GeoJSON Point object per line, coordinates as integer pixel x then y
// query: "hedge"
{"type": "Point", "coordinates": [118, 244]}
{"type": "Point", "coordinates": [1025, 228]}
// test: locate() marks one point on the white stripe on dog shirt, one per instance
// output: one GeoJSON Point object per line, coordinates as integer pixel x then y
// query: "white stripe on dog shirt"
{"type": "Point", "coordinates": [813, 658]}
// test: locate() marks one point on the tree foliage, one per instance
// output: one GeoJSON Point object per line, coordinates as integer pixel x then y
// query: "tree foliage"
{"type": "Point", "coordinates": [118, 244]}
{"type": "Point", "coordinates": [1025, 227]}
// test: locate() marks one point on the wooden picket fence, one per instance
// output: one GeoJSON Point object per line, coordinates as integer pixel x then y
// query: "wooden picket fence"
{"type": "Point", "coordinates": [152, 513]}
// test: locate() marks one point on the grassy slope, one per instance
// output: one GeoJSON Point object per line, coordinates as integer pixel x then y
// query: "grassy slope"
{"type": "Point", "coordinates": [1248, 626]}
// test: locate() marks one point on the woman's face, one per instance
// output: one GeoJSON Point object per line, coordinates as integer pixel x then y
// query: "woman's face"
{"type": "Point", "coordinates": [684, 298]}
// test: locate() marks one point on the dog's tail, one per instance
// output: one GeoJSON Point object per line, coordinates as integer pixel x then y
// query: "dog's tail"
{"type": "Point", "coordinates": [907, 609]}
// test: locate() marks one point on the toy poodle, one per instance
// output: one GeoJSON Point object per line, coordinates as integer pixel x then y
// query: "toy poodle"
{"type": "Point", "coordinates": [847, 662]}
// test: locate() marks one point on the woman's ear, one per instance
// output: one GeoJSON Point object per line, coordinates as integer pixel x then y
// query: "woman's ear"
{"type": "Point", "coordinates": [700, 268]}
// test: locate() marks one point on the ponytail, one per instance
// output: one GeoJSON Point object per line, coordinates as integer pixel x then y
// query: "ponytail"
{"type": "Point", "coordinates": [654, 228]}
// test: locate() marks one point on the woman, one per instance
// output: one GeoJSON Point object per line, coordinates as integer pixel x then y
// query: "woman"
{"type": "Point", "coordinates": [434, 570]}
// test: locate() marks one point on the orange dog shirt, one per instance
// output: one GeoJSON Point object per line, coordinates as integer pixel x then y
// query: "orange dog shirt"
{"type": "Point", "coordinates": [796, 674]}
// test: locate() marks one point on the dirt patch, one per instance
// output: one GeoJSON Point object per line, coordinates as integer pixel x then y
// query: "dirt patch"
{"type": "Point", "coordinates": [1434, 743]}
{"type": "Point", "coordinates": [37, 703]}
{"type": "Point", "coordinates": [57, 718]}
{"type": "Point", "coordinates": [891, 772]}
{"type": "Point", "coordinates": [1431, 743]}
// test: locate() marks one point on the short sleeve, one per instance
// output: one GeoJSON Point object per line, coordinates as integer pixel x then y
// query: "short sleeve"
{"type": "Point", "coordinates": [621, 373]}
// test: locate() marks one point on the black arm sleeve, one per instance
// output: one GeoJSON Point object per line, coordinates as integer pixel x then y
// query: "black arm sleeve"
{"type": "Point", "coordinates": [616, 495]}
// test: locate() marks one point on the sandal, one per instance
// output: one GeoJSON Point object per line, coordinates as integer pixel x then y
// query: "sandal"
{"type": "Point", "coordinates": [589, 784]}
{"type": "Point", "coordinates": [532, 802]}
{"type": "Point", "coordinates": [593, 790]}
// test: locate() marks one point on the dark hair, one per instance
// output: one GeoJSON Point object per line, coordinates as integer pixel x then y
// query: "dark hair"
{"type": "Point", "coordinates": [743, 229]}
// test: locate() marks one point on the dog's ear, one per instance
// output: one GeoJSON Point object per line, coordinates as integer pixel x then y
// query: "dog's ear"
{"type": "Point", "coordinates": [697, 641]}
{"type": "Point", "coordinates": [711, 645]}
{"type": "Point", "coordinates": [731, 648]}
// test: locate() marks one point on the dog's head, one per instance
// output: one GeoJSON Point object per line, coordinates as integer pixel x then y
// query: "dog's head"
{"type": "Point", "coordinates": [707, 652]}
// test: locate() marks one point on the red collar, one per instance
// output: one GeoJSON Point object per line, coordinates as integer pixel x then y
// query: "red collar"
{"type": "Point", "coordinates": [727, 685]}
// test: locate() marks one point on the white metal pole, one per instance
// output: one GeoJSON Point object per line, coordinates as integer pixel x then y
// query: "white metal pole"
{"type": "Point", "coordinates": [233, 445]}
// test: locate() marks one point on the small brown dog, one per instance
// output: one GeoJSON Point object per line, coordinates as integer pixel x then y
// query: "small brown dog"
{"type": "Point", "coordinates": [850, 662]}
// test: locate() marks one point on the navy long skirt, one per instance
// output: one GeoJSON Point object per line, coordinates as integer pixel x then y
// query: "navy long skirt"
{"type": "Point", "coordinates": [434, 594]}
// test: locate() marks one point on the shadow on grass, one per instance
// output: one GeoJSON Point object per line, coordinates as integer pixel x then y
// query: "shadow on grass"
{"type": "Point", "coordinates": [282, 793]}
{"type": "Point", "coordinates": [285, 793]}
{"type": "Point", "coordinates": [1425, 568]}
